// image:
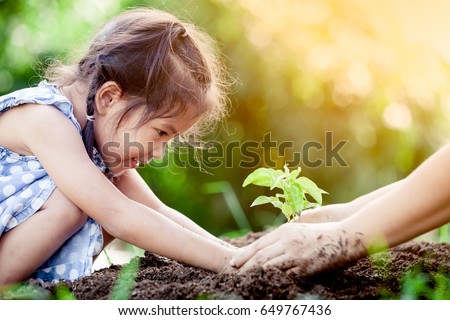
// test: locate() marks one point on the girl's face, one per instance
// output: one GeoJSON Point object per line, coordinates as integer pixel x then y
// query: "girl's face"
{"type": "Point", "coordinates": [130, 144]}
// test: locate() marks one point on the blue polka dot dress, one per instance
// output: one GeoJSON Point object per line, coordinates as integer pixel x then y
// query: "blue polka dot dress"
{"type": "Point", "coordinates": [25, 186]}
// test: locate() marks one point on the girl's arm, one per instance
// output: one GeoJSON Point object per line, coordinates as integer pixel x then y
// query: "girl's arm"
{"type": "Point", "coordinates": [134, 187]}
{"type": "Point", "coordinates": [58, 145]}
{"type": "Point", "coordinates": [420, 203]}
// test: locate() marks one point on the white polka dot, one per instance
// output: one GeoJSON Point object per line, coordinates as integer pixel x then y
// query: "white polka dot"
{"type": "Point", "coordinates": [18, 207]}
{"type": "Point", "coordinates": [12, 223]}
{"type": "Point", "coordinates": [5, 179]}
{"type": "Point", "coordinates": [73, 275]}
{"type": "Point", "coordinates": [34, 165]}
{"type": "Point", "coordinates": [60, 269]}
{"type": "Point", "coordinates": [28, 178]}
{"type": "Point", "coordinates": [73, 256]}
{"type": "Point", "coordinates": [37, 204]}
{"type": "Point", "coordinates": [11, 160]}
{"type": "Point", "coordinates": [10, 201]}
{"type": "Point", "coordinates": [44, 184]}
{"type": "Point", "coordinates": [84, 251]}
{"type": "Point", "coordinates": [5, 219]}
{"type": "Point", "coordinates": [9, 190]}
{"type": "Point", "coordinates": [26, 193]}
{"type": "Point", "coordinates": [16, 169]}
{"type": "Point", "coordinates": [47, 270]}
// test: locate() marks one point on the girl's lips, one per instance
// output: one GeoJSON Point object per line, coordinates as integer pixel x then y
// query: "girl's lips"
{"type": "Point", "coordinates": [134, 163]}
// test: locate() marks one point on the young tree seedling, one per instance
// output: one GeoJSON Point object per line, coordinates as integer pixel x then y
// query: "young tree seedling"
{"type": "Point", "coordinates": [292, 201]}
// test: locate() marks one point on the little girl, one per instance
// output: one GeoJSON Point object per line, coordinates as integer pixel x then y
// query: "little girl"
{"type": "Point", "coordinates": [145, 78]}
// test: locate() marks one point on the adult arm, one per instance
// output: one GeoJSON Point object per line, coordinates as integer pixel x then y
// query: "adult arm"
{"type": "Point", "coordinates": [420, 203]}
{"type": "Point", "coordinates": [340, 211]}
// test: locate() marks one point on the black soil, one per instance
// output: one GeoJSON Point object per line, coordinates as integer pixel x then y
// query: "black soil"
{"type": "Point", "coordinates": [378, 277]}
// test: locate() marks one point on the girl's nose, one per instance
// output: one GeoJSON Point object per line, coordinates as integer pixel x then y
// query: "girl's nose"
{"type": "Point", "coordinates": [158, 153]}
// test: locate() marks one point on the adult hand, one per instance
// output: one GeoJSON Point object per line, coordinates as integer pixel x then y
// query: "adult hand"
{"type": "Point", "coordinates": [328, 213]}
{"type": "Point", "coordinates": [304, 249]}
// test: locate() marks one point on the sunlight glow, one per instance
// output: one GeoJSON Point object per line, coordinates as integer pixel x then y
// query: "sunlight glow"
{"type": "Point", "coordinates": [397, 50]}
{"type": "Point", "coordinates": [397, 116]}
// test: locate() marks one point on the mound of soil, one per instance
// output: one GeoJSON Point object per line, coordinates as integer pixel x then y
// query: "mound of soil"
{"type": "Point", "coordinates": [378, 277]}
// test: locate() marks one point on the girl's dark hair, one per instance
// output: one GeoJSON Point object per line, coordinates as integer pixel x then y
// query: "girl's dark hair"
{"type": "Point", "coordinates": [157, 60]}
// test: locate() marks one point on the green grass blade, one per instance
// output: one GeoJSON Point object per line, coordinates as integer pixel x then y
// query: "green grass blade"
{"type": "Point", "coordinates": [125, 281]}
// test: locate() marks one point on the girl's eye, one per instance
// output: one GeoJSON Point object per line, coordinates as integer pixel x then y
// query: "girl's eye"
{"type": "Point", "coordinates": [161, 133]}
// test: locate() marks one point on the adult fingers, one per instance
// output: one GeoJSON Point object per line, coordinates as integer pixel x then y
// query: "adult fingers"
{"type": "Point", "coordinates": [314, 215]}
{"type": "Point", "coordinates": [305, 267]}
{"type": "Point", "coordinates": [297, 271]}
{"type": "Point", "coordinates": [283, 262]}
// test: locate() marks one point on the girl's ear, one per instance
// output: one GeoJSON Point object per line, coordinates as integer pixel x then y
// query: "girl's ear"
{"type": "Point", "coordinates": [106, 95]}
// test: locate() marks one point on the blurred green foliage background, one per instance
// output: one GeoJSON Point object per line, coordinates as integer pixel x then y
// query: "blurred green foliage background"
{"type": "Point", "coordinates": [375, 74]}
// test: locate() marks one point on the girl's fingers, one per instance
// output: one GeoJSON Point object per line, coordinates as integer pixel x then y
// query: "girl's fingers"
{"type": "Point", "coordinates": [244, 255]}
{"type": "Point", "coordinates": [262, 257]}
{"type": "Point", "coordinates": [248, 252]}
{"type": "Point", "coordinates": [239, 259]}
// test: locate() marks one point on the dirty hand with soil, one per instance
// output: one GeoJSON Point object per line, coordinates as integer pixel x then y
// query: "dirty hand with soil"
{"type": "Point", "coordinates": [301, 248]}
{"type": "Point", "coordinates": [335, 235]}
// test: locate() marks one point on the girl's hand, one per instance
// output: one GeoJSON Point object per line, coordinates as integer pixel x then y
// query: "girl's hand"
{"type": "Point", "coordinates": [227, 268]}
{"type": "Point", "coordinates": [303, 249]}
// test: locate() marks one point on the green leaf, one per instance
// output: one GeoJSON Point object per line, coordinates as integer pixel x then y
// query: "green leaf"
{"type": "Point", "coordinates": [294, 197]}
{"type": "Point", "coordinates": [278, 204]}
{"type": "Point", "coordinates": [287, 211]}
{"type": "Point", "coordinates": [286, 169]}
{"type": "Point", "coordinates": [263, 200]}
{"type": "Point", "coordinates": [278, 181]}
{"type": "Point", "coordinates": [311, 188]}
{"type": "Point", "coordinates": [262, 177]}
{"type": "Point", "coordinates": [294, 174]}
